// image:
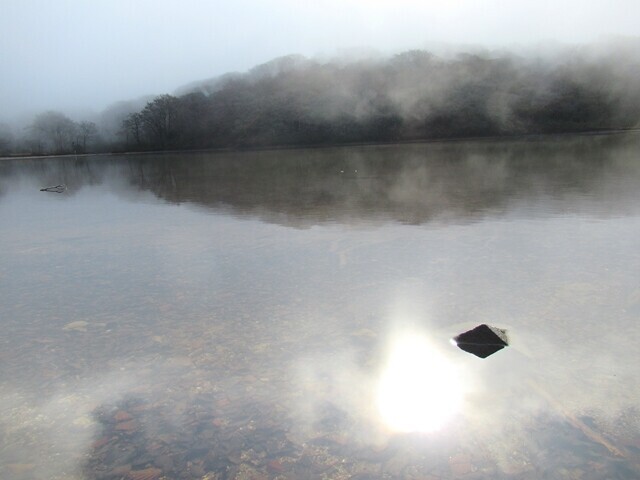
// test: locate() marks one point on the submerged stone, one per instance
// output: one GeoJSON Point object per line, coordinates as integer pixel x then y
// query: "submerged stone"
{"type": "Point", "coordinates": [482, 341]}
{"type": "Point", "coordinates": [146, 474]}
{"type": "Point", "coordinates": [78, 326]}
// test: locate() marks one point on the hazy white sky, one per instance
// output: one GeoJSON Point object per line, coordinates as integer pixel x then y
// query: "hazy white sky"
{"type": "Point", "coordinates": [86, 54]}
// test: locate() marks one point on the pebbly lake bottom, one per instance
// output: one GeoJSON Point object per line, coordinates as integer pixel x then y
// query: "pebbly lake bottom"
{"type": "Point", "coordinates": [288, 314]}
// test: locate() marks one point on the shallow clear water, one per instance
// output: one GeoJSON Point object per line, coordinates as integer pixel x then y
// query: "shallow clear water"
{"type": "Point", "coordinates": [287, 314]}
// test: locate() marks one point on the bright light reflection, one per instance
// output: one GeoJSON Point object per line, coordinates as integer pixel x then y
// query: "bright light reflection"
{"type": "Point", "coordinates": [419, 390]}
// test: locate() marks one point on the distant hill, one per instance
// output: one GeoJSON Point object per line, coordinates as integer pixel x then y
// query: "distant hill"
{"type": "Point", "coordinates": [414, 95]}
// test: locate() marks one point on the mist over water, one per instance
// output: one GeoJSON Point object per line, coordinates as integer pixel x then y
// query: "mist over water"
{"type": "Point", "coordinates": [287, 314]}
{"type": "Point", "coordinates": [410, 95]}
{"type": "Point", "coordinates": [80, 58]}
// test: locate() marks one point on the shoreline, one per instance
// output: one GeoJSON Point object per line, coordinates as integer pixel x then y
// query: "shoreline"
{"type": "Point", "coordinates": [493, 138]}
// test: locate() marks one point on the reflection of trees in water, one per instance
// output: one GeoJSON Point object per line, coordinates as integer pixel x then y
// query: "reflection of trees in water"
{"type": "Point", "coordinates": [407, 183]}
{"type": "Point", "coordinates": [75, 172]}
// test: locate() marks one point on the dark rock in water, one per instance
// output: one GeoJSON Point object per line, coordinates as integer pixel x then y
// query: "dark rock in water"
{"type": "Point", "coordinates": [482, 341]}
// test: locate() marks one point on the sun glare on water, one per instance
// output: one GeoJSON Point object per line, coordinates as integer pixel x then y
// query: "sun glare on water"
{"type": "Point", "coordinates": [419, 390]}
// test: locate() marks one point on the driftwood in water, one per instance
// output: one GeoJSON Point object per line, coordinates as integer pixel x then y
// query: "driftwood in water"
{"type": "Point", "coordinates": [55, 189]}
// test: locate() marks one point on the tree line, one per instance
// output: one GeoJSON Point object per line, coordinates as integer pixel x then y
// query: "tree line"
{"type": "Point", "coordinates": [410, 96]}
{"type": "Point", "coordinates": [50, 132]}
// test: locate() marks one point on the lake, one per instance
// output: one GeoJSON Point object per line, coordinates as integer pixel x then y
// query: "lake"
{"type": "Point", "coordinates": [287, 314]}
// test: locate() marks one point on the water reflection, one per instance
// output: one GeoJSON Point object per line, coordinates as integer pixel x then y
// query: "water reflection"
{"type": "Point", "coordinates": [410, 184]}
{"type": "Point", "coordinates": [161, 318]}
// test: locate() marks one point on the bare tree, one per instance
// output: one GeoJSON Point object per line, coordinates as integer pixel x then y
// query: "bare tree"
{"type": "Point", "coordinates": [55, 130]}
{"type": "Point", "coordinates": [132, 125]}
{"type": "Point", "coordinates": [6, 139]}
{"type": "Point", "coordinates": [159, 120]}
{"type": "Point", "coordinates": [86, 131]}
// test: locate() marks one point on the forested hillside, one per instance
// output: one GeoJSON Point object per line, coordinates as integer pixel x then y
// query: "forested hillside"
{"type": "Point", "coordinates": [410, 96]}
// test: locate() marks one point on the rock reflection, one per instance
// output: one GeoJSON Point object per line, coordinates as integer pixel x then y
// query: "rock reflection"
{"type": "Point", "coordinates": [482, 341]}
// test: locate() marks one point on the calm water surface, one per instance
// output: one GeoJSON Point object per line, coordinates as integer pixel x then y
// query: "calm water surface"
{"type": "Point", "coordinates": [287, 314]}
